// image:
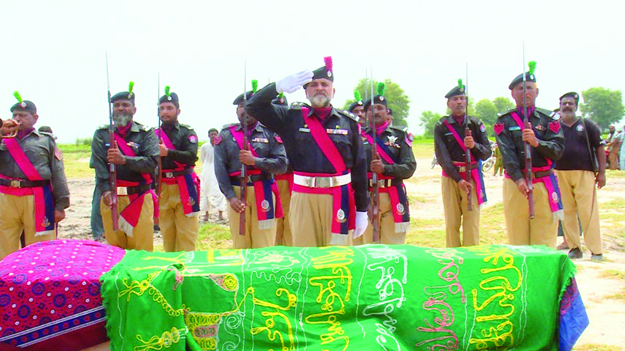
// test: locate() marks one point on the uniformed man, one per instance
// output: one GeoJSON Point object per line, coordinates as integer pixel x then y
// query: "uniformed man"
{"type": "Point", "coordinates": [326, 152]}
{"type": "Point", "coordinates": [546, 142]}
{"type": "Point", "coordinates": [357, 108]}
{"type": "Point", "coordinates": [451, 142]}
{"type": "Point", "coordinates": [285, 185]}
{"type": "Point", "coordinates": [179, 200]}
{"type": "Point", "coordinates": [134, 154]}
{"type": "Point", "coordinates": [581, 167]}
{"type": "Point", "coordinates": [33, 188]}
{"type": "Point", "coordinates": [263, 156]}
{"type": "Point", "coordinates": [393, 163]}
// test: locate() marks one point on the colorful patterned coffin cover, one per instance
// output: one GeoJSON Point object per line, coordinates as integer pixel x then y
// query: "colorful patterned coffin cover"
{"type": "Point", "coordinates": [345, 298]}
{"type": "Point", "coordinates": [51, 289]}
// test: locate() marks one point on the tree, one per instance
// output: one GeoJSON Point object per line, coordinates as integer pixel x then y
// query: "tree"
{"type": "Point", "coordinates": [428, 120]}
{"type": "Point", "coordinates": [487, 112]}
{"type": "Point", "coordinates": [603, 106]}
{"type": "Point", "coordinates": [502, 104]}
{"type": "Point", "coordinates": [398, 101]}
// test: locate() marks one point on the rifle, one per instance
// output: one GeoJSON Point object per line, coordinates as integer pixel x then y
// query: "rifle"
{"type": "Point", "coordinates": [467, 132]}
{"type": "Point", "coordinates": [112, 170]}
{"type": "Point", "coordinates": [375, 189]}
{"type": "Point", "coordinates": [159, 177]}
{"type": "Point", "coordinates": [528, 147]}
{"type": "Point", "coordinates": [243, 167]}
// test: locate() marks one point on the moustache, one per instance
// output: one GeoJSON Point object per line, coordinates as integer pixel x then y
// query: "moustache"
{"type": "Point", "coordinates": [567, 109]}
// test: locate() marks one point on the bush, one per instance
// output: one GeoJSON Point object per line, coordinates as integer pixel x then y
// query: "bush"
{"type": "Point", "coordinates": [84, 141]}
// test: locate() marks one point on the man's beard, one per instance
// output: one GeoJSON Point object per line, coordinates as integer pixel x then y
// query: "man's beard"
{"type": "Point", "coordinates": [121, 121]}
{"type": "Point", "coordinates": [320, 101]}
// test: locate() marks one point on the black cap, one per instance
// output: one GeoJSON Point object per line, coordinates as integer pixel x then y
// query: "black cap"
{"type": "Point", "coordinates": [170, 97]}
{"type": "Point", "coordinates": [125, 95]}
{"type": "Point", "coordinates": [459, 89]}
{"type": "Point", "coordinates": [529, 76]}
{"type": "Point", "coordinates": [379, 98]}
{"type": "Point", "coordinates": [239, 98]}
{"type": "Point", "coordinates": [571, 94]}
{"type": "Point", "coordinates": [23, 105]}
{"type": "Point", "coordinates": [356, 103]}
{"type": "Point", "coordinates": [325, 71]}
{"type": "Point", "coordinates": [280, 100]}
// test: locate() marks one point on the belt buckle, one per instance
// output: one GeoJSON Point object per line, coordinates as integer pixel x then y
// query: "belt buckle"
{"type": "Point", "coordinates": [462, 169]}
{"type": "Point", "coordinates": [324, 182]}
{"type": "Point", "coordinates": [16, 184]}
{"type": "Point", "coordinates": [169, 174]}
{"type": "Point", "coordinates": [309, 181]}
{"type": "Point", "coordinates": [122, 191]}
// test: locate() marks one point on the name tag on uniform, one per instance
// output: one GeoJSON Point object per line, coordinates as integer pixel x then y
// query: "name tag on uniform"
{"type": "Point", "coordinates": [260, 140]}
{"type": "Point", "coordinates": [305, 130]}
{"type": "Point", "coordinates": [337, 131]}
{"type": "Point", "coordinates": [540, 127]}
{"type": "Point", "coordinates": [514, 128]}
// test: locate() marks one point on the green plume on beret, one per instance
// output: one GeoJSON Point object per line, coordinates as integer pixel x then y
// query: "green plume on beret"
{"type": "Point", "coordinates": [280, 96]}
{"type": "Point", "coordinates": [532, 65]}
{"type": "Point", "coordinates": [130, 86]}
{"type": "Point", "coordinates": [460, 83]}
{"type": "Point", "coordinates": [357, 95]}
{"type": "Point", "coordinates": [381, 88]}
{"type": "Point", "coordinates": [254, 85]}
{"type": "Point", "coordinates": [18, 96]}
{"type": "Point", "coordinates": [167, 93]}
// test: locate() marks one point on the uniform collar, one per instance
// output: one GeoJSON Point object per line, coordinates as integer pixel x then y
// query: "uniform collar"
{"type": "Point", "coordinates": [333, 112]}
{"type": "Point", "coordinates": [175, 125]}
{"type": "Point", "coordinates": [451, 119]}
{"type": "Point", "coordinates": [257, 127]}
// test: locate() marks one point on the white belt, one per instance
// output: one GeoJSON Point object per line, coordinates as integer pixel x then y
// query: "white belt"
{"type": "Point", "coordinates": [322, 182]}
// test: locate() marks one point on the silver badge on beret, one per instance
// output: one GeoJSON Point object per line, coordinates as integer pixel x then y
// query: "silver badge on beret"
{"type": "Point", "coordinates": [23, 104]}
{"type": "Point", "coordinates": [381, 98]}
{"type": "Point", "coordinates": [169, 98]}
{"type": "Point", "coordinates": [329, 74]}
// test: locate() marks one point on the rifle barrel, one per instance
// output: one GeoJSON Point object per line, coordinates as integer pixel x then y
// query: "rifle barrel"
{"type": "Point", "coordinates": [112, 168]}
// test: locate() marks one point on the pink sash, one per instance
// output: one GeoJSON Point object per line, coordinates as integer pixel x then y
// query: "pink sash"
{"type": "Point", "coordinates": [343, 202]}
{"type": "Point", "coordinates": [43, 202]}
{"type": "Point", "coordinates": [188, 184]}
{"type": "Point", "coordinates": [475, 173]}
{"type": "Point", "coordinates": [129, 216]}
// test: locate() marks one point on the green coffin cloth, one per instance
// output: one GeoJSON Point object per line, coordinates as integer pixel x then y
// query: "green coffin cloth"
{"type": "Point", "coordinates": [373, 297]}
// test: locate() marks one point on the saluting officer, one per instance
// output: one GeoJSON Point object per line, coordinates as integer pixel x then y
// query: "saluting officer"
{"type": "Point", "coordinates": [33, 187]}
{"type": "Point", "coordinates": [451, 143]}
{"type": "Point", "coordinates": [263, 156]}
{"type": "Point", "coordinates": [179, 201]}
{"type": "Point", "coordinates": [394, 162]}
{"type": "Point", "coordinates": [134, 154]}
{"type": "Point", "coordinates": [546, 141]}
{"type": "Point", "coordinates": [325, 150]}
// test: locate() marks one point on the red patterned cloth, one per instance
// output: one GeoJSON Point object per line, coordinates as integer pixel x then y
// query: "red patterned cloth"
{"type": "Point", "coordinates": [52, 288]}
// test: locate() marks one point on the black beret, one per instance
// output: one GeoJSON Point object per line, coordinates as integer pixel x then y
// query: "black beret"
{"type": "Point", "coordinates": [325, 71]}
{"type": "Point", "coordinates": [124, 95]}
{"type": "Point", "coordinates": [571, 94]}
{"type": "Point", "coordinates": [280, 100]}
{"type": "Point", "coordinates": [172, 97]}
{"type": "Point", "coordinates": [355, 104]}
{"type": "Point", "coordinates": [518, 79]}
{"type": "Point", "coordinates": [457, 90]}
{"type": "Point", "coordinates": [25, 105]}
{"type": "Point", "coordinates": [239, 98]}
{"type": "Point", "coordinates": [377, 100]}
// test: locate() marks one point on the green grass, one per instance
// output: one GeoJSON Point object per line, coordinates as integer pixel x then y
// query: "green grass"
{"type": "Point", "coordinates": [614, 174]}
{"type": "Point", "coordinates": [613, 274]}
{"type": "Point", "coordinates": [423, 148]}
{"type": "Point", "coordinates": [617, 296]}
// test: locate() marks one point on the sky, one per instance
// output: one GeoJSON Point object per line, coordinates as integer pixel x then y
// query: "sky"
{"type": "Point", "coordinates": [54, 52]}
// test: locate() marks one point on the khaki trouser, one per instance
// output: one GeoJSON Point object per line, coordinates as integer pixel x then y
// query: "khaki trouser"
{"type": "Point", "coordinates": [613, 157]}
{"type": "Point", "coordinates": [498, 166]}
{"type": "Point", "coordinates": [142, 235]}
{"type": "Point", "coordinates": [283, 229]}
{"type": "Point", "coordinates": [455, 206]}
{"type": "Point", "coordinates": [254, 237]}
{"type": "Point", "coordinates": [542, 230]}
{"type": "Point", "coordinates": [579, 198]}
{"type": "Point", "coordinates": [17, 214]}
{"type": "Point", "coordinates": [311, 220]}
{"type": "Point", "coordinates": [387, 226]}
{"type": "Point", "coordinates": [179, 231]}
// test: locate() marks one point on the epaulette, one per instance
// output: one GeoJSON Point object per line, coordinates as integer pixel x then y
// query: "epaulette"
{"type": "Point", "coordinates": [297, 105]}
{"type": "Point", "coordinates": [348, 114]}
{"type": "Point", "coordinates": [226, 126]}
{"type": "Point", "coordinates": [546, 112]}
{"type": "Point", "coordinates": [186, 126]}
{"type": "Point", "coordinates": [506, 113]}
{"type": "Point", "coordinates": [401, 128]}
{"type": "Point", "coordinates": [46, 134]}
{"type": "Point", "coordinates": [103, 126]}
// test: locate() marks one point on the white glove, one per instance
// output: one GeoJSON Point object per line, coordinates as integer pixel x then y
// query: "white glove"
{"type": "Point", "coordinates": [293, 83]}
{"type": "Point", "coordinates": [362, 221]}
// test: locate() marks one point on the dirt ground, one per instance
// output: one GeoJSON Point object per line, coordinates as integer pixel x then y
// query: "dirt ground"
{"type": "Point", "coordinates": [598, 282]}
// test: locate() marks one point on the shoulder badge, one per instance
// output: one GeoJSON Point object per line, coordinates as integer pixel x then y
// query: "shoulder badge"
{"type": "Point", "coordinates": [58, 153]}
{"type": "Point", "coordinates": [278, 139]}
{"type": "Point", "coordinates": [554, 126]}
{"type": "Point", "coordinates": [499, 127]}
{"type": "Point", "coordinates": [482, 128]}
{"type": "Point", "coordinates": [192, 139]}
{"type": "Point", "coordinates": [409, 139]}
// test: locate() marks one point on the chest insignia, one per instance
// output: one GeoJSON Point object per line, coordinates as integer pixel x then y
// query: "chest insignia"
{"type": "Point", "coordinates": [260, 140]}
{"type": "Point", "coordinates": [133, 144]}
{"type": "Point", "coordinates": [540, 127]}
{"type": "Point", "coordinates": [392, 139]}
{"type": "Point", "coordinates": [554, 126]}
{"type": "Point", "coordinates": [337, 131]}
{"type": "Point", "coordinates": [580, 128]}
